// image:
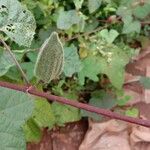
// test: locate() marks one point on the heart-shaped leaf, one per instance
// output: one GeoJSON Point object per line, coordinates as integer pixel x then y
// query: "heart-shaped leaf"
{"type": "Point", "coordinates": [109, 36]}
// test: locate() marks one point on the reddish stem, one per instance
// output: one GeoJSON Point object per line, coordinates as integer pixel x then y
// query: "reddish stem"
{"type": "Point", "coordinates": [73, 103]}
{"type": "Point", "coordinates": [118, 20]}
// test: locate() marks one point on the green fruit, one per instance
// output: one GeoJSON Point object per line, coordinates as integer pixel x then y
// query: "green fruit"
{"type": "Point", "coordinates": [50, 60]}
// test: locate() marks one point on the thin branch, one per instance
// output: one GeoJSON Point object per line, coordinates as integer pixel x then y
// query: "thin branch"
{"type": "Point", "coordinates": [76, 104]}
{"type": "Point", "coordinates": [101, 28]}
{"type": "Point", "coordinates": [118, 20]}
{"type": "Point", "coordinates": [16, 62]}
{"type": "Point", "coordinates": [145, 23]}
{"type": "Point", "coordinates": [87, 33]}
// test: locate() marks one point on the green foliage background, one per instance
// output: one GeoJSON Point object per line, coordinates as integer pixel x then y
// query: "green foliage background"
{"type": "Point", "coordinates": [98, 38]}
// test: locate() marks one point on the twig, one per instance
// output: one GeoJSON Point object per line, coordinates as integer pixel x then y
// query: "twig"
{"type": "Point", "coordinates": [86, 33]}
{"type": "Point", "coordinates": [145, 23]}
{"type": "Point", "coordinates": [76, 104]}
{"type": "Point", "coordinates": [118, 20]}
{"type": "Point", "coordinates": [16, 62]}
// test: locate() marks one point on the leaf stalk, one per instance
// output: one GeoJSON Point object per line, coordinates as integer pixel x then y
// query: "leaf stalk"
{"type": "Point", "coordinates": [16, 62]}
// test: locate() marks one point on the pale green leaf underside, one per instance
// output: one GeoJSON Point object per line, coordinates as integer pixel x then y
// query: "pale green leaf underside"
{"type": "Point", "coordinates": [130, 25]}
{"type": "Point", "coordinates": [91, 68]}
{"type": "Point", "coordinates": [142, 11]}
{"type": "Point", "coordinates": [93, 5]}
{"type": "Point", "coordinates": [109, 36]}
{"type": "Point", "coordinates": [67, 18]}
{"type": "Point", "coordinates": [11, 136]}
{"type": "Point", "coordinates": [5, 62]}
{"type": "Point", "coordinates": [17, 22]}
{"type": "Point", "coordinates": [16, 107]}
{"type": "Point", "coordinates": [72, 61]}
{"type": "Point", "coordinates": [78, 3]}
{"type": "Point", "coordinates": [50, 61]}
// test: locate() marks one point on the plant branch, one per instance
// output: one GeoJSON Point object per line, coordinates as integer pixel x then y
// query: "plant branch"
{"type": "Point", "coordinates": [87, 33]}
{"type": "Point", "coordinates": [101, 28]}
{"type": "Point", "coordinates": [119, 20]}
{"type": "Point", "coordinates": [76, 104]}
{"type": "Point", "coordinates": [16, 62]}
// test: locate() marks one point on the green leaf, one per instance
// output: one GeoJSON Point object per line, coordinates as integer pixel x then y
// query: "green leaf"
{"type": "Point", "coordinates": [72, 62]}
{"type": "Point", "coordinates": [50, 60]}
{"type": "Point", "coordinates": [112, 64]}
{"type": "Point", "coordinates": [93, 5]}
{"type": "Point", "coordinates": [16, 107]}
{"type": "Point", "coordinates": [32, 56]}
{"type": "Point", "coordinates": [57, 89]}
{"type": "Point", "coordinates": [115, 69]}
{"type": "Point", "coordinates": [102, 99]}
{"type": "Point", "coordinates": [17, 22]}
{"type": "Point", "coordinates": [132, 112]}
{"type": "Point", "coordinates": [99, 99]}
{"type": "Point", "coordinates": [145, 81]}
{"type": "Point", "coordinates": [90, 69]}
{"type": "Point", "coordinates": [142, 11]}
{"type": "Point", "coordinates": [42, 117]}
{"type": "Point", "coordinates": [28, 68]}
{"type": "Point", "coordinates": [124, 11]}
{"type": "Point", "coordinates": [14, 74]}
{"type": "Point", "coordinates": [130, 25]}
{"type": "Point", "coordinates": [67, 18]}
{"type": "Point", "coordinates": [78, 3]}
{"type": "Point", "coordinates": [6, 62]}
{"type": "Point", "coordinates": [11, 136]}
{"type": "Point", "coordinates": [43, 114]}
{"type": "Point", "coordinates": [90, 26]}
{"type": "Point", "coordinates": [109, 36]}
{"type": "Point", "coordinates": [65, 114]}
{"type": "Point", "coordinates": [32, 131]}
{"type": "Point", "coordinates": [123, 100]}
{"type": "Point", "coordinates": [81, 25]}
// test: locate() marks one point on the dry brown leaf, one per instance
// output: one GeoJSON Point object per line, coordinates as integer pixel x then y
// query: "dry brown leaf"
{"type": "Point", "coordinates": [129, 78]}
{"type": "Point", "coordinates": [146, 92]}
{"type": "Point", "coordinates": [116, 135]}
{"type": "Point", "coordinates": [140, 138]}
{"type": "Point", "coordinates": [110, 135]}
{"type": "Point", "coordinates": [144, 109]}
{"type": "Point", "coordinates": [136, 69]}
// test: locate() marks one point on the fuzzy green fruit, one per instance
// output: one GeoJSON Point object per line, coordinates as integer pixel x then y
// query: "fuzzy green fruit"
{"type": "Point", "coordinates": [50, 60]}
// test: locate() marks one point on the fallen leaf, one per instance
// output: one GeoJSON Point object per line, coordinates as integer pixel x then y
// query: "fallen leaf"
{"type": "Point", "coordinates": [110, 135]}
{"type": "Point", "coordinates": [140, 138]}
{"type": "Point", "coordinates": [116, 135]}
